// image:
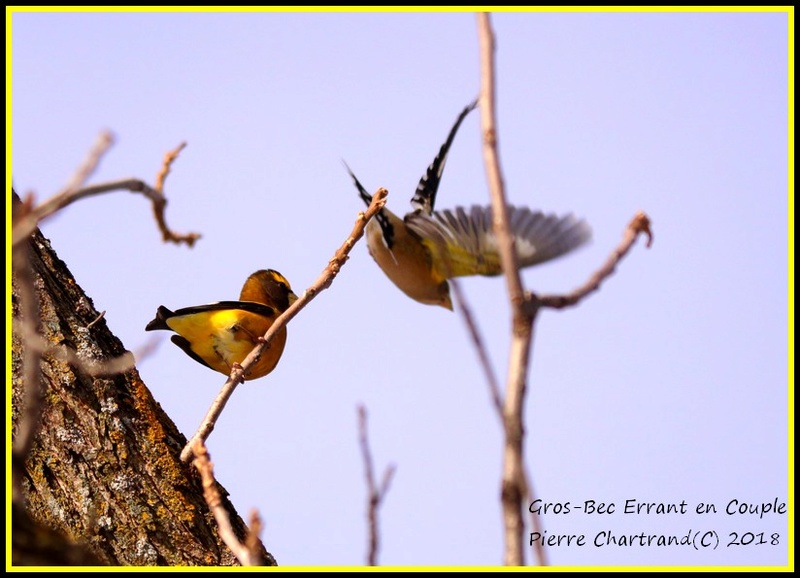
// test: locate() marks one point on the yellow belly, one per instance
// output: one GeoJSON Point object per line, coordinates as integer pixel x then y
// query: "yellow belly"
{"type": "Point", "coordinates": [222, 338]}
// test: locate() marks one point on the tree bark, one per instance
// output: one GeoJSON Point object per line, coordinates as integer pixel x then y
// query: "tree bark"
{"type": "Point", "coordinates": [104, 469]}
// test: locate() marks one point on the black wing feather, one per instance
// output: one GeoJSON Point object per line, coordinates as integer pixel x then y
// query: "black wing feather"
{"type": "Point", "coordinates": [184, 344]}
{"type": "Point", "coordinates": [160, 322]}
{"type": "Point", "coordinates": [425, 197]}
{"type": "Point", "coordinates": [386, 227]}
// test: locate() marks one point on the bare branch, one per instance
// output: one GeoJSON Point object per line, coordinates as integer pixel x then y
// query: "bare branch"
{"type": "Point", "coordinates": [494, 176]}
{"type": "Point", "coordinates": [97, 320]}
{"type": "Point", "coordinates": [323, 282]}
{"type": "Point", "coordinates": [530, 495]}
{"type": "Point", "coordinates": [160, 204]}
{"type": "Point", "coordinates": [494, 390]}
{"type": "Point", "coordinates": [29, 217]}
{"type": "Point", "coordinates": [26, 218]}
{"type": "Point", "coordinates": [516, 485]}
{"type": "Point", "coordinates": [375, 494]}
{"type": "Point", "coordinates": [513, 484]}
{"type": "Point", "coordinates": [91, 367]}
{"type": "Point", "coordinates": [169, 158]}
{"type": "Point", "coordinates": [480, 348]}
{"type": "Point", "coordinates": [247, 553]}
{"type": "Point", "coordinates": [251, 541]}
{"type": "Point", "coordinates": [640, 224]}
{"type": "Point", "coordinates": [104, 142]}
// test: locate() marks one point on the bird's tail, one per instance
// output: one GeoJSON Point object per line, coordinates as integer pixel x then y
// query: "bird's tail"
{"type": "Point", "coordinates": [362, 192]}
{"type": "Point", "coordinates": [160, 322]}
{"type": "Point", "coordinates": [381, 216]}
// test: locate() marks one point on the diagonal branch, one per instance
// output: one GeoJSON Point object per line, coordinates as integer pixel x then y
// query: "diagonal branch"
{"type": "Point", "coordinates": [104, 141]}
{"type": "Point", "coordinates": [480, 348]}
{"type": "Point", "coordinates": [249, 553]}
{"type": "Point", "coordinates": [28, 217]}
{"type": "Point", "coordinates": [494, 390]}
{"type": "Point", "coordinates": [323, 282]}
{"type": "Point", "coordinates": [91, 367]}
{"type": "Point", "coordinates": [640, 224]}
{"type": "Point", "coordinates": [25, 219]}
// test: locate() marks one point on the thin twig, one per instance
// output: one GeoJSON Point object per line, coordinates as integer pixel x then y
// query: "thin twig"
{"type": "Point", "coordinates": [169, 158]}
{"type": "Point", "coordinates": [26, 218]}
{"type": "Point", "coordinates": [90, 367]}
{"type": "Point", "coordinates": [494, 390]}
{"type": "Point", "coordinates": [29, 217]}
{"type": "Point", "coordinates": [513, 484]}
{"type": "Point", "coordinates": [159, 205]}
{"type": "Point", "coordinates": [536, 525]}
{"type": "Point", "coordinates": [251, 541]}
{"type": "Point", "coordinates": [104, 142]}
{"type": "Point", "coordinates": [480, 348]}
{"type": "Point", "coordinates": [640, 224]}
{"type": "Point", "coordinates": [248, 553]}
{"type": "Point", "coordinates": [96, 320]}
{"type": "Point", "coordinates": [375, 494]}
{"type": "Point", "coordinates": [323, 282]}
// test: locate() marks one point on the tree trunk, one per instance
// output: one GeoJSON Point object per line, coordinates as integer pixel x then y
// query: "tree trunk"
{"type": "Point", "coordinates": [104, 468]}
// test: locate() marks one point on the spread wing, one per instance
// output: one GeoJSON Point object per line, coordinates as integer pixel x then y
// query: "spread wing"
{"type": "Point", "coordinates": [425, 196]}
{"type": "Point", "coordinates": [464, 243]}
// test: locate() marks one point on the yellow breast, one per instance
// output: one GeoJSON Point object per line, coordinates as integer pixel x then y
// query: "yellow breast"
{"type": "Point", "coordinates": [222, 338]}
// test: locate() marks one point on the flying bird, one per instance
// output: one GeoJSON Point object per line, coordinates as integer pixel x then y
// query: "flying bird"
{"type": "Point", "coordinates": [424, 249]}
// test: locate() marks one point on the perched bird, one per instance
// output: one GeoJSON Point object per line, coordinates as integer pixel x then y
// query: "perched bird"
{"type": "Point", "coordinates": [220, 335]}
{"type": "Point", "coordinates": [424, 249]}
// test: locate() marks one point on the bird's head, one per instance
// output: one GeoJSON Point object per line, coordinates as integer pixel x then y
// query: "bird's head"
{"type": "Point", "coordinates": [269, 287]}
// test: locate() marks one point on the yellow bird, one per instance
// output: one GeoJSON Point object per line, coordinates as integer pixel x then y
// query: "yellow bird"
{"type": "Point", "coordinates": [220, 335]}
{"type": "Point", "coordinates": [424, 249]}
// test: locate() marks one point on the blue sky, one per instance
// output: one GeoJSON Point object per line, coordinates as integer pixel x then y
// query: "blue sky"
{"type": "Point", "coordinates": [669, 384]}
